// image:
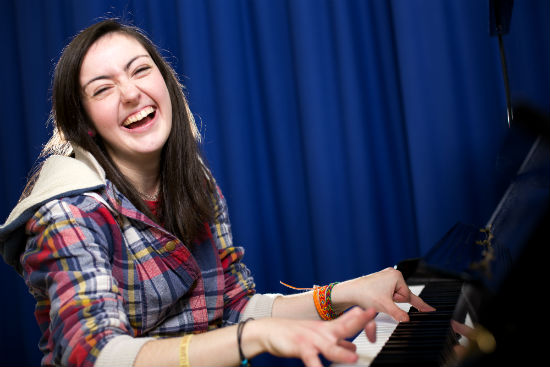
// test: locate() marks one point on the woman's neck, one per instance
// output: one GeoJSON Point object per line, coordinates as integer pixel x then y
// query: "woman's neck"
{"type": "Point", "coordinates": [144, 177]}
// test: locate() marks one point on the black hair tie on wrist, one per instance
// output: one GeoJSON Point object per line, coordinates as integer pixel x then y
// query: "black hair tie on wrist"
{"type": "Point", "coordinates": [240, 327]}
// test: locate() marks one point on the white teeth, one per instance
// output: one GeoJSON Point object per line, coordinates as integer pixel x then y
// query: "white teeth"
{"type": "Point", "coordinates": [138, 116]}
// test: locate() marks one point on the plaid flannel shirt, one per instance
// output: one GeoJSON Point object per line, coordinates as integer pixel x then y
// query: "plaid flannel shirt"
{"type": "Point", "coordinates": [96, 275]}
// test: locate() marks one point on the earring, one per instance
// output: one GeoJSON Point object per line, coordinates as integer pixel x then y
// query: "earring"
{"type": "Point", "coordinates": [91, 133]}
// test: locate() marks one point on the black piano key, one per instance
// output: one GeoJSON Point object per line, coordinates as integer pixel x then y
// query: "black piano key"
{"type": "Point", "coordinates": [425, 360]}
{"type": "Point", "coordinates": [414, 353]}
{"type": "Point", "coordinates": [427, 339]}
{"type": "Point", "coordinates": [425, 334]}
{"type": "Point", "coordinates": [423, 323]}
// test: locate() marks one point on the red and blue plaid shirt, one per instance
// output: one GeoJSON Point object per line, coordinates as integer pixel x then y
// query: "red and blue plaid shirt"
{"type": "Point", "coordinates": [96, 275]}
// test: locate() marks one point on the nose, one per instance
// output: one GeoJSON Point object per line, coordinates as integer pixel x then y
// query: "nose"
{"type": "Point", "coordinates": [129, 92]}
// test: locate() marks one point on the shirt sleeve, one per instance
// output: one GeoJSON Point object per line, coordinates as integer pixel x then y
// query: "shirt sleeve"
{"type": "Point", "coordinates": [67, 268]}
{"type": "Point", "coordinates": [120, 351]}
{"type": "Point", "coordinates": [259, 306]}
{"type": "Point", "coordinates": [239, 283]}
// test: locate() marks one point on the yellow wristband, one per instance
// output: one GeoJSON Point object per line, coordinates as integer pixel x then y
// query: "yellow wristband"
{"type": "Point", "coordinates": [184, 350]}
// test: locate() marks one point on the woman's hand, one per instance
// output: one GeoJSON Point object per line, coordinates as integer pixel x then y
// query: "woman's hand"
{"type": "Point", "coordinates": [306, 339]}
{"type": "Point", "coordinates": [291, 338]}
{"type": "Point", "coordinates": [380, 291]}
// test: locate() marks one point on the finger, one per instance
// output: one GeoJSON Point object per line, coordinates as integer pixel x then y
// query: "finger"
{"type": "Point", "coordinates": [395, 312]}
{"type": "Point", "coordinates": [371, 313]}
{"type": "Point", "coordinates": [461, 328]}
{"type": "Point", "coordinates": [370, 331]}
{"type": "Point", "coordinates": [401, 290]}
{"type": "Point", "coordinates": [419, 304]}
{"type": "Point", "coordinates": [351, 322]}
{"type": "Point", "coordinates": [337, 353]}
{"type": "Point", "coordinates": [311, 359]}
{"type": "Point", "coordinates": [347, 344]}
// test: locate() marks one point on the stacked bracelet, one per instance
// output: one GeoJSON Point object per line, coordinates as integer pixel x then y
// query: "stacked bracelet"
{"type": "Point", "coordinates": [184, 350]}
{"type": "Point", "coordinates": [240, 327]}
{"type": "Point", "coordinates": [323, 301]}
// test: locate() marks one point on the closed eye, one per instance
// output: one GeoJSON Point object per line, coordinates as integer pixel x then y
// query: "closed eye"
{"type": "Point", "coordinates": [100, 91]}
{"type": "Point", "coordinates": [142, 69]}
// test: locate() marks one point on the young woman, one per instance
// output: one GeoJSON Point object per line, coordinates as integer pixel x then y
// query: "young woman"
{"type": "Point", "coordinates": [124, 240]}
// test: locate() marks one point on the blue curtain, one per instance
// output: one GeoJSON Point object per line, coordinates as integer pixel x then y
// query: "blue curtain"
{"type": "Point", "coordinates": [345, 135]}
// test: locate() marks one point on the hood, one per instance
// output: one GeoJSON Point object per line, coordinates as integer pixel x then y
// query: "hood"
{"type": "Point", "coordinates": [59, 176]}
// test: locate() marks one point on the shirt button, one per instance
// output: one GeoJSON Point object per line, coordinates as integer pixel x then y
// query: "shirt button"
{"type": "Point", "coordinates": [170, 245]}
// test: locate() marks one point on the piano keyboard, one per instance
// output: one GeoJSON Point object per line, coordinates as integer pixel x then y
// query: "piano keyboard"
{"type": "Point", "coordinates": [425, 340]}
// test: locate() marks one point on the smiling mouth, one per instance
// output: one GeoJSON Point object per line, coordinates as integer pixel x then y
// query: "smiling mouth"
{"type": "Point", "coordinates": [139, 119]}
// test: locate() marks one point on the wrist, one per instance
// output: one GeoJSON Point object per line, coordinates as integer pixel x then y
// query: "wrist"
{"type": "Point", "coordinates": [250, 335]}
{"type": "Point", "coordinates": [341, 300]}
{"type": "Point", "coordinates": [242, 357]}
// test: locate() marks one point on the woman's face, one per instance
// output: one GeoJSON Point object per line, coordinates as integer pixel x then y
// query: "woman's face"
{"type": "Point", "coordinates": [126, 98]}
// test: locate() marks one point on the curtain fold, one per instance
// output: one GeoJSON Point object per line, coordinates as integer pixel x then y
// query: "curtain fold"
{"type": "Point", "coordinates": [345, 135]}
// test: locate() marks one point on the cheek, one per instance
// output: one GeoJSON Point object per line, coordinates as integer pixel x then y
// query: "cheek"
{"type": "Point", "coordinates": [163, 96]}
{"type": "Point", "coordinates": [101, 115]}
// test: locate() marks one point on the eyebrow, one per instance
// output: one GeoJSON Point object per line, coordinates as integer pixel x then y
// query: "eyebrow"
{"type": "Point", "coordinates": [107, 77]}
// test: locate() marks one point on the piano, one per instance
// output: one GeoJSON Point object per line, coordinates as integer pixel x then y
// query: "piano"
{"type": "Point", "coordinates": [489, 278]}
{"type": "Point", "coordinates": [426, 340]}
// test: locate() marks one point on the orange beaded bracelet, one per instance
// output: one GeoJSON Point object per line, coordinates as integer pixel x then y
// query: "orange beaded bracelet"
{"type": "Point", "coordinates": [322, 300]}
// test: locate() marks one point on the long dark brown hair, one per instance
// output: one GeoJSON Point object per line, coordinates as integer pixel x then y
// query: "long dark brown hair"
{"type": "Point", "coordinates": [186, 184]}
